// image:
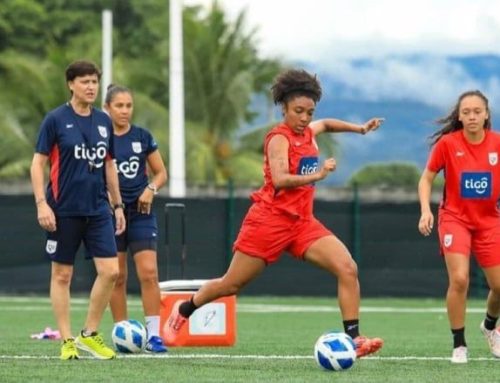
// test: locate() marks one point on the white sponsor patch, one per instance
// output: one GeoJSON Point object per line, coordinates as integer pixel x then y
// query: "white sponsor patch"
{"type": "Point", "coordinates": [51, 246]}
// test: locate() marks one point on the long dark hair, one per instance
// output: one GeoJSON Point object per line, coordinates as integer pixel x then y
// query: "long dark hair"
{"type": "Point", "coordinates": [450, 123]}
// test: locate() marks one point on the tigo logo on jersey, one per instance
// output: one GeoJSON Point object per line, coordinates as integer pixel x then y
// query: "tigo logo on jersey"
{"type": "Point", "coordinates": [129, 168]}
{"type": "Point", "coordinates": [475, 185]}
{"type": "Point", "coordinates": [96, 155]}
{"type": "Point", "coordinates": [307, 165]}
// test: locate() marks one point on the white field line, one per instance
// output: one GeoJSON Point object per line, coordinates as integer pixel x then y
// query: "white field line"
{"type": "Point", "coordinates": [80, 304]}
{"type": "Point", "coordinates": [246, 357]}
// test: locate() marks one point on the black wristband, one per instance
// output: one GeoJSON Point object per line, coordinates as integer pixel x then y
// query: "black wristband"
{"type": "Point", "coordinates": [118, 206]}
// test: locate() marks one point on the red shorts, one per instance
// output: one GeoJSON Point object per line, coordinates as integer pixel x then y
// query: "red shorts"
{"type": "Point", "coordinates": [457, 237]}
{"type": "Point", "coordinates": [266, 234]}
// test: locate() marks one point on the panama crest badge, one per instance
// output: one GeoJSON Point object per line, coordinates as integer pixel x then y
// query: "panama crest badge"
{"type": "Point", "coordinates": [51, 246]}
{"type": "Point", "coordinates": [493, 158]}
{"type": "Point", "coordinates": [447, 240]}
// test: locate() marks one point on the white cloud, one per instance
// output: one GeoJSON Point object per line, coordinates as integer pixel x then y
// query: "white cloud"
{"type": "Point", "coordinates": [434, 81]}
{"type": "Point", "coordinates": [406, 43]}
{"type": "Point", "coordinates": [319, 29]}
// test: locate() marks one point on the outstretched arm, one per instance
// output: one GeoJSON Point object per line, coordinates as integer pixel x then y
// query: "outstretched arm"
{"type": "Point", "coordinates": [333, 125]}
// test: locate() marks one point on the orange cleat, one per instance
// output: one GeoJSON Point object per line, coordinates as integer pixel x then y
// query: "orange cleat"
{"type": "Point", "coordinates": [366, 346]}
{"type": "Point", "coordinates": [174, 322]}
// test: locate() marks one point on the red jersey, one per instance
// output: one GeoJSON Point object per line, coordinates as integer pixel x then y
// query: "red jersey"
{"type": "Point", "coordinates": [302, 159]}
{"type": "Point", "coordinates": [472, 177]}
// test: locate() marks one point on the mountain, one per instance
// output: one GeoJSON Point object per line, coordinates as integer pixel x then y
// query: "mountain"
{"type": "Point", "coordinates": [411, 92]}
{"type": "Point", "coordinates": [402, 137]}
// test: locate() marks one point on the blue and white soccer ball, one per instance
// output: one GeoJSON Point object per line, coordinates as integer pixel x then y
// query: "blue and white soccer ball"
{"type": "Point", "coordinates": [335, 351]}
{"type": "Point", "coordinates": [129, 336]}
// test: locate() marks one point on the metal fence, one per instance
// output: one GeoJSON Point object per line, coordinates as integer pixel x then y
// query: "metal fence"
{"type": "Point", "coordinates": [393, 258]}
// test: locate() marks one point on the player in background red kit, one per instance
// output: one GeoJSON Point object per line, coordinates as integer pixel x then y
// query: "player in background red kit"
{"type": "Point", "coordinates": [467, 151]}
{"type": "Point", "coordinates": [281, 217]}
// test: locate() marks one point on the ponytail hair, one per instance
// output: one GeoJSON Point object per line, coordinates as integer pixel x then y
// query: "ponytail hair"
{"type": "Point", "coordinates": [113, 90]}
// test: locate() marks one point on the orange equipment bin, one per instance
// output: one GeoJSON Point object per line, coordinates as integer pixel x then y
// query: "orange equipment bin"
{"type": "Point", "coordinates": [213, 324]}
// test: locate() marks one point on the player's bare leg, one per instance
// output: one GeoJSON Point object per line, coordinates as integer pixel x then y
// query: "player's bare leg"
{"type": "Point", "coordinates": [457, 266]}
{"type": "Point", "coordinates": [147, 272]}
{"type": "Point", "coordinates": [330, 254]}
{"type": "Point", "coordinates": [107, 272]}
{"type": "Point", "coordinates": [491, 333]}
{"type": "Point", "coordinates": [118, 302]}
{"type": "Point", "coordinates": [60, 281]}
{"type": "Point", "coordinates": [242, 270]}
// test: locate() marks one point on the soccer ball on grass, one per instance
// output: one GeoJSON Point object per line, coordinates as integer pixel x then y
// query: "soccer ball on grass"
{"type": "Point", "coordinates": [129, 336]}
{"type": "Point", "coordinates": [335, 351]}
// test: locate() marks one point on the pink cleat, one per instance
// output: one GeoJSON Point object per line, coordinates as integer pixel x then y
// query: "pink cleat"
{"type": "Point", "coordinates": [174, 322]}
{"type": "Point", "coordinates": [366, 346]}
{"type": "Point", "coordinates": [493, 339]}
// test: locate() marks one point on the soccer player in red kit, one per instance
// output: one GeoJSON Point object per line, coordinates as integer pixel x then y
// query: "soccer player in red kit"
{"type": "Point", "coordinates": [281, 217]}
{"type": "Point", "coordinates": [467, 151]}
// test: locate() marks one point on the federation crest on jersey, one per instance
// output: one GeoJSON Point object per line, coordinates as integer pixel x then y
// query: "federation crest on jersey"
{"type": "Point", "coordinates": [136, 147]}
{"type": "Point", "coordinates": [51, 246]}
{"type": "Point", "coordinates": [102, 131]}
{"type": "Point", "coordinates": [493, 158]}
{"type": "Point", "coordinates": [447, 240]}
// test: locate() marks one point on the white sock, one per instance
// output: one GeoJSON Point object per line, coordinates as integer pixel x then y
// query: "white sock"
{"type": "Point", "coordinates": [153, 325]}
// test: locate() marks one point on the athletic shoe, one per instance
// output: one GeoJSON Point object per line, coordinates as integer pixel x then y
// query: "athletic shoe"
{"type": "Point", "coordinates": [459, 355]}
{"type": "Point", "coordinates": [69, 350]}
{"type": "Point", "coordinates": [493, 338]}
{"type": "Point", "coordinates": [175, 322]}
{"type": "Point", "coordinates": [366, 346]}
{"type": "Point", "coordinates": [95, 345]}
{"type": "Point", "coordinates": [155, 345]}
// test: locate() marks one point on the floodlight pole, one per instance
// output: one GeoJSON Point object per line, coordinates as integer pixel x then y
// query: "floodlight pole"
{"type": "Point", "coordinates": [177, 177]}
{"type": "Point", "coordinates": [107, 52]}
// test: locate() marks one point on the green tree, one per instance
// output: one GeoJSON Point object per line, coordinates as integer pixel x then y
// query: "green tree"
{"type": "Point", "coordinates": [31, 93]}
{"type": "Point", "coordinates": [396, 174]}
{"type": "Point", "coordinates": [223, 73]}
{"type": "Point", "coordinates": [222, 66]}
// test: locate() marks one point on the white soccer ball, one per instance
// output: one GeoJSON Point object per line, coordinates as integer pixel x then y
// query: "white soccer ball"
{"type": "Point", "coordinates": [129, 336]}
{"type": "Point", "coordinates": [335, 351]}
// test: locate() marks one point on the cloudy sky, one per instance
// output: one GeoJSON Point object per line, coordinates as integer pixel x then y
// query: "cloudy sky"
{"type": "Point", "coordinates": [294, 28]}
{"type": "Point", "coordinates": [332, 33]}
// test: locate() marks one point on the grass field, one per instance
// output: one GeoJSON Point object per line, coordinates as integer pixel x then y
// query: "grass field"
{"type": "Point", "coordinates": [275, 338]}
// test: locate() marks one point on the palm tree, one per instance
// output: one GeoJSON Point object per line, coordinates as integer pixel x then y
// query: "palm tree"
{"type": "Point", "coordinates": [223, 73]}
{"type": "Point", "coordinates": [30, 94]}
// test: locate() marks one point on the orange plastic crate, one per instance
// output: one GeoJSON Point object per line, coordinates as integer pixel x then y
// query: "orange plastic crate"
{"type": "Point", "coordinates": [213, 324]}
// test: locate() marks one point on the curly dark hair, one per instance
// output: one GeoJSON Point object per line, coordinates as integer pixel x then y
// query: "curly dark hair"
{"type": "Point", "coordinates": [295, 83]}
{"type": "Point", "coordinates": [450, 122]}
